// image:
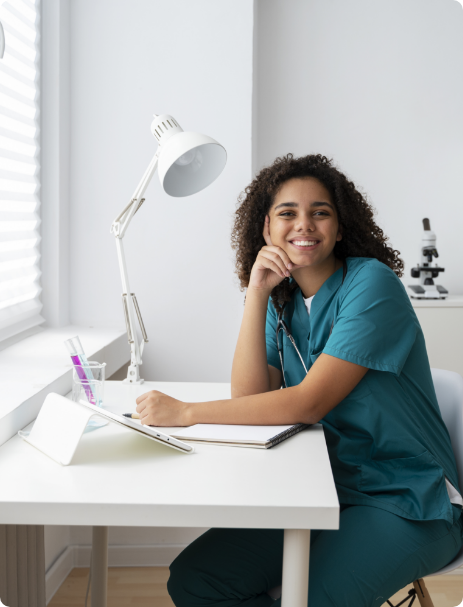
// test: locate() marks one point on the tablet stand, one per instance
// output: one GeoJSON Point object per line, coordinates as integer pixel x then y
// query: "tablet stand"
{"type": "Point", "coordinates": [58, 428]}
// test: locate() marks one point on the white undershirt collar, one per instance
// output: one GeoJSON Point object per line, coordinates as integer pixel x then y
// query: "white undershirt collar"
{"type": "Point", "coordinates": [308, 303]}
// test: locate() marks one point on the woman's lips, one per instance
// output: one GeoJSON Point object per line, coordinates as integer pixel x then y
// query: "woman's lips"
{"type": "Point", "coordinates": [304, 247]}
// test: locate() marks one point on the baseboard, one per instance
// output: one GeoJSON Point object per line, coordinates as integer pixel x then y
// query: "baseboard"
{"type": "Point", "coordinates": [58, 572]}
{"type": "Point", "coordinates": [457, 571]}
{"type": "Point", "coordinates": [154, 555]}
{"type": "Point", "coordinates": [157, 555]}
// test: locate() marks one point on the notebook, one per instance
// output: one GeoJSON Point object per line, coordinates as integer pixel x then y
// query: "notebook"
{"type": "Point", "coordinates": [259, 437]}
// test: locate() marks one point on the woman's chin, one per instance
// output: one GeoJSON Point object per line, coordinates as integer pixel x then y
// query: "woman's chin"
{"type": "Point", "coordinates": [302, 260]}
{"type": "Point", "coordinates": [301, 263]}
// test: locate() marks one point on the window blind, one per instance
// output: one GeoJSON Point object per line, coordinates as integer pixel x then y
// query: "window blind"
{"type": "Point", "coordinates": [20, 304]}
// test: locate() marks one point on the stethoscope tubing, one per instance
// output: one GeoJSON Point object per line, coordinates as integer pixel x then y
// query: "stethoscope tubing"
{"type": "Point", "coordinates": [281, 326]}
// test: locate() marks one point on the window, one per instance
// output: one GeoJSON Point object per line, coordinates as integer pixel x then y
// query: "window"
{"type": "Point", "coordinates": [20, 305]}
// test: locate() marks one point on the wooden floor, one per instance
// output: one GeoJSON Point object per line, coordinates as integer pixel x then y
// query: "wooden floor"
{"type": "Point", "coordinates": [139, 586]}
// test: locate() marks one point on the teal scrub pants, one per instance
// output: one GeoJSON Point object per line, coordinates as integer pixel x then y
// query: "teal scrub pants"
{"type": "Point", "coordinates": [373, 555]}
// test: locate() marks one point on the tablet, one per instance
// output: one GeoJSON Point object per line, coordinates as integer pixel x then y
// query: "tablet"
{"type": "Point", "coordinates": [147, 431]}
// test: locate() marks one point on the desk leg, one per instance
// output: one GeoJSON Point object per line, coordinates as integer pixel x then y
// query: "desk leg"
{"type": "Point", "coordinates": [99, 566]}
{"type": "Point", "coordinates": [295, 586]}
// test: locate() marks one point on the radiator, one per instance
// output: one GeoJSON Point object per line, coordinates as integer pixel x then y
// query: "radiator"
{"type": "Point", "coordinates": [22, 566]}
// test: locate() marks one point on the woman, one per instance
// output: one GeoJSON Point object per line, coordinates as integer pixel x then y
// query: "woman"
{"type": "Point", "coordinates": [310, 254]}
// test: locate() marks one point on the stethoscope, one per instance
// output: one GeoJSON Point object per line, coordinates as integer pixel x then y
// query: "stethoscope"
{"type": "Point", "coordinates": [281, 325]}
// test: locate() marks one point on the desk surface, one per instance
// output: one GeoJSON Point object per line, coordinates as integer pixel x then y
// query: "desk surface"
{"type": "Point", "coordinates": [120, 478]}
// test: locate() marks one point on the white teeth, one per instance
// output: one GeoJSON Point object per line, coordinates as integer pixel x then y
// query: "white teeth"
{"type": "Point", "coordinates": [304, 243]}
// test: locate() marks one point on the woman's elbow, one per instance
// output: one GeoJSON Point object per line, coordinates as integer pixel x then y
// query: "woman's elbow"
{"type": "Point", "coordinates": [310, 409]}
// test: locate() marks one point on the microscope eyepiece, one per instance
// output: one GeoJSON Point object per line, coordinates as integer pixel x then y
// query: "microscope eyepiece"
{"type": "Point", "coordinates": [426, 224]}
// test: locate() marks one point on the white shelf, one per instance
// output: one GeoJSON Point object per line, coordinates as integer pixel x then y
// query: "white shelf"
{"type": "Point", "coordinates": [452, 301]}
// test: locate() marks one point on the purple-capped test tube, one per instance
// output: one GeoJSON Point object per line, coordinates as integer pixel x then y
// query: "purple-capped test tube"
{"type": "Point", "coordinates": [80, 362]}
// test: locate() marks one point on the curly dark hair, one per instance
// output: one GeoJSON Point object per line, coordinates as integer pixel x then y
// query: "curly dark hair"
{"type": "Point", "coordinates": [361, 236]}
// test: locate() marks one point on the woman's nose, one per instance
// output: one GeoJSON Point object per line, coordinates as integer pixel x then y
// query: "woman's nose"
{"type": "Point", "coordinates": [304, 224]}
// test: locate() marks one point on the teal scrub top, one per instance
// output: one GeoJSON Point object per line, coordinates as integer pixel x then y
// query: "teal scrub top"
{"type": "Point", "coordinates": [387, 442]}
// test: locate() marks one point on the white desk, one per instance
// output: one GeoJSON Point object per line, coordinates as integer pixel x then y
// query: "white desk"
{"type": "Point", "coordinates": [119, 478]}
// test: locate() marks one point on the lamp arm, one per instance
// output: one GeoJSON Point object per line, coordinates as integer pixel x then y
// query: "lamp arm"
{"type": "Point", "coordinates": [129, 301]}
{"type": "Point", "coordinates": [122, 221]}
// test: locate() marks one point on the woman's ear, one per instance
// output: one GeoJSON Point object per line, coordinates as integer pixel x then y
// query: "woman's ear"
{"type": "Point", "coordinates": [266, 231]}
{"type": "Point", "coordinates": [339, 236]}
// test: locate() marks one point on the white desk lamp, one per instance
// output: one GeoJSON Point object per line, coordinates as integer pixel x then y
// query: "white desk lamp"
{"type": "Point", "coordinates": [188, 163]}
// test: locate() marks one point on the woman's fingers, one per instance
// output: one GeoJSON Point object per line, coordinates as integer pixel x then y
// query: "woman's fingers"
{"type": "Point", "coordinates": [144, 419]}
{"type": "Point", "coordinates": [280, 254]}
{"type": "Point", "coordinates": [143, 401]}
{"type": "Point", "coordinates": [284, 256]}
{"type": "Point", "coordinates": [266, 231]}
{"type": "Point", "coordinates": [142, 397]}
{"type": "Point", "coordinates": [274, 262]}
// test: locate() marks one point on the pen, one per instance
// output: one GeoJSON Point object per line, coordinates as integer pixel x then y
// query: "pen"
{"type": "Point", "coordinates": [131, 415]}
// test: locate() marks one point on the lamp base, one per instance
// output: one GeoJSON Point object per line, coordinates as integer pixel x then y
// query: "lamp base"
{"type": "Point", "coordinates": [133, 375]}
{"type": "Point", "coordinates": [133, 381]}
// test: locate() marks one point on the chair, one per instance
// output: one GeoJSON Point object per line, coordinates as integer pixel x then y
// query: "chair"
{"type": "Point", "coordinates": [449, 392]}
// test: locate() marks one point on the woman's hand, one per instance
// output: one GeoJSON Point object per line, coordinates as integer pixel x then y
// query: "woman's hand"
{"type": "Point", "coordinates": [158, 409]}
{"type": "Point", "coordinates": [272, 264]}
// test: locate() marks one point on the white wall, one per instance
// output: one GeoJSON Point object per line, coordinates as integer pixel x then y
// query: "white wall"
{"type": "Point", "coordinates": [55, 114]}
{"type": "Point", "coordinates": [378, 87]}
{"type": "Point", "coordinates": [57, 539]}
{"type": "Point", "coordinates": [130, 59]}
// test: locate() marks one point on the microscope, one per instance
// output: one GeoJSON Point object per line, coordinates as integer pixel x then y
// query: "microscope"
{"type": "Point", "coordinates": [425, 271]}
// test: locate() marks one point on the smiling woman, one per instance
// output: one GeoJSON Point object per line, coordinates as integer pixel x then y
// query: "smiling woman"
{"type": "Point", "coordinates": [351, 355]}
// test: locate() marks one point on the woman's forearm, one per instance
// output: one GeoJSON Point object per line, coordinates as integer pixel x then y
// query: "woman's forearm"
{"type": "Point", "coordinates": [327, 383]}
{"type": "Point", "coordinates": [279, 407]}
{"type": "Point", "coordinates": [250, 368]}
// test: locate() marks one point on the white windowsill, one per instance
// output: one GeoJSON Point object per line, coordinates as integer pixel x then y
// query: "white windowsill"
{"type": "Point", "coordinates": [39, 364]}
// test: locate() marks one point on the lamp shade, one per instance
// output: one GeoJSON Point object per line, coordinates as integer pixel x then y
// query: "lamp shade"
{"type": "Point", "coordinates": [189, 162]}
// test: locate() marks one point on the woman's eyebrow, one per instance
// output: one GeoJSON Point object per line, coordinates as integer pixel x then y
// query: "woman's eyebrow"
{"type": "Point", "coordinates": [286, 204]}
{"type": "Point", "coordinates": [296, 204]}
{"type": "Point", "coordinates": [322, 204]}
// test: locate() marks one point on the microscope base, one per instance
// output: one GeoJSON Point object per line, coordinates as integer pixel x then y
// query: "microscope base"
{"type": "Point", "coordinates": [427, 292]}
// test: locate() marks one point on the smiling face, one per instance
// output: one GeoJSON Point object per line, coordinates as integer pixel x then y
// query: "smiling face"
{"type": "Point", "coordinates": [304, 222]}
